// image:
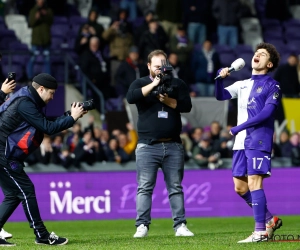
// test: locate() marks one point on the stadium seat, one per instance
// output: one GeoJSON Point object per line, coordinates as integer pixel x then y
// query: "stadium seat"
{"type": "Point", "coordinates": [57, 42]}
{"type": "Point", "coordinates": [269, 22]}
{"type": "Point", "coordinates": [77, 20]}
{"type": "Point", "coordinates": [60, 20]}
{"type": "Point", "coordinates": [241, 48]}
{"type": "Point", "coordinates": [277, 42]}
{"type": "Point", "coordinates": [247, 56]}
{"type": "Point", "coordinates": [276, 33]}
{"type": "Point", "coordinates": [17, 45]}
{"type": "Point", "coordinates": [222, 48]}
{"type": "Point", "coordinates": [60, 30]}
{"type": "Point", "coordinates": [227, 58]}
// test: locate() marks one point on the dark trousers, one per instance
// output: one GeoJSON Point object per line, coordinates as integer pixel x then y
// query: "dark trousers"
{"type": "Point", "coordinates": [18, 188]}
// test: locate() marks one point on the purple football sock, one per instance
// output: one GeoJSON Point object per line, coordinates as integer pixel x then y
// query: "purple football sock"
{"type": "Point", "coordinates": [248, 198]}
{"type": "Point", "coordinates": [269, 216]}
{"type": "Point", "coordinates": [259, 205]}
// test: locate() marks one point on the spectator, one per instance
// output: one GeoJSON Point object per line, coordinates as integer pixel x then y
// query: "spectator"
{"type": "Point", "coordinates": [205, 64]}
{"type": "Point", "coordinates": [40, 20]}
{"type": "Point", "coordinates": [295, 154]}
{"type": "Point", "coordinates": [144, 26]}
{"type": "Point", "coordinates": [227, 14]}
{"type": "Point", "coordinates": [204, 155]}
{"type": "Point", "coordinates": [287, 76]}
{"type": "Point", "coordinates": [74, 137]}
{"type": "Point", "coordinates": [180, 70]}
{"type": "Point", "coordinates": [279, 11]}
{"type": "Point", "coordinates": [96, 67]}
{"type": "Point", "coordinates": [146, 6]}
{"type": "Point", "coordinates": [66, 157]}
{"type": "Point", "coordinates": [85, 150]}
{"type": "Point", "coordinates": [131, 7]}
{"type": "Point", "coordinates": [169, 13]}
{"type": "Point", "coordinates": [276, 152]}
{"type": "Point", "coordinates": [104, 138]}
{"type": "Point", "coordinates": [285, 144]}
{"type": "Point", "coordinates": [83, 38]}
{"type": "Point", "coordinates": [180, 44]}
{"type": "Point", "coordinates": [115, 153]}
{"type": "Point", "coordinates": [57, 144]}
{"type": "Point", "coordinates": [196, 16]}
{"type": "Point", "coordinates": [128, 142]}
{"type": "Point", "coordinates": [128, 71]}
{"type": "Point", "coordinates": [102, 6]}
{"type": "Point", "coordinates": [196, 135]}
{"type": "Point", "coordinates": [44, 153]}
{"type": "Point", "coordinates": [119, 36]}
{"type": "Point", "coordinates": [152, 39]}
{"type": "Point", "coordinates": [87, 30]}
{"type": "Point", "coordinates": [120, 39]}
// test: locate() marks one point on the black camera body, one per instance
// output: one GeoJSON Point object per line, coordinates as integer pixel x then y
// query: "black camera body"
{"type": "Point", "coordinates": [11, 76]}
{"type": "Point", "coordinates": [165, 86]}
{"type": "Point", "coordinates": [86, 105]}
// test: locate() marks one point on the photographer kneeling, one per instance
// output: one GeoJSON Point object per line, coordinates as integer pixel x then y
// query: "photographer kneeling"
{"type": "Point", "coordinates": [22, 128]}
{"type": "Point", "coordinates": [159, 101]}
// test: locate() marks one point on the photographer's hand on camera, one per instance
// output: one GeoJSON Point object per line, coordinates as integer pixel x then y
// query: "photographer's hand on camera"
{"type": "Point", "coordinates": [8, 86]}
{"type": "Point", "coordinates": [77, 111]}
{"type": "Point", "coordinates": [171, 102]}
{"type": "Point", "coordinates": [148, 88]}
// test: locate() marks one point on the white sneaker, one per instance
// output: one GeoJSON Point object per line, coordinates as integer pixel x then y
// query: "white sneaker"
{"type": "Point", "coordinates": [141, 231]}
{"type": "Point", "coordinates": [183, 231]}
{"type": "Point", "coordinates": [257, 236]}
{"type": "Point", "coordinates": [5, 235]}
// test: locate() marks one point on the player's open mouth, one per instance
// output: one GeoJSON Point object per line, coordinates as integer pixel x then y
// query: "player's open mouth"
{"type": "Point", "coordinates": [256, 60]}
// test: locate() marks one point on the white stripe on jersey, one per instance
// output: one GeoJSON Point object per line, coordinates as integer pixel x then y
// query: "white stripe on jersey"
{"type": "Point", "coordinates": [241, 90]}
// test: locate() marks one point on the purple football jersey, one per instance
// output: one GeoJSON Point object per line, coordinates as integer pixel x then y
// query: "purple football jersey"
{"type": "Point", "coordinates": [253, 94]}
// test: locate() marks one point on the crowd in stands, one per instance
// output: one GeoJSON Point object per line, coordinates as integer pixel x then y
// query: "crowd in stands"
{"type": "Point", "coordinates": [204, 147]}
{"type": "Point", "coordinates": [199, 37]}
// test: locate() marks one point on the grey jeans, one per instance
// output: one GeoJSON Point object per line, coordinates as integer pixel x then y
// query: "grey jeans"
{"type": "Point", "coordinates": [149, 158]}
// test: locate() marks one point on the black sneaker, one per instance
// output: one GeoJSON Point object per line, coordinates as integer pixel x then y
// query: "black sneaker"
{"type": "Point", "coordinates": [4, 243]}
{"type": "Point", "coordinates": [53, 239]}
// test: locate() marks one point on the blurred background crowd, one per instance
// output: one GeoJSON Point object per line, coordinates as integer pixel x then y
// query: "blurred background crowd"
{"type": "Point", "coordinates": [109, 40]}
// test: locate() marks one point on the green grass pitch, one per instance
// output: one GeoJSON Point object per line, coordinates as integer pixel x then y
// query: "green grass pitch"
{"type": "Point", "coordinates": [210, 234]}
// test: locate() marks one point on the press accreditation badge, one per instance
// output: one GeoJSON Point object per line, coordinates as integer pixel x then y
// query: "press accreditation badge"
{"type": "Point", "coordinates": [162, 114]}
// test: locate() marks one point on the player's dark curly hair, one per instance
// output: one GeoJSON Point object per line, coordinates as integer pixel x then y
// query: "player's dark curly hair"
{"type": "Point", "coordinates": [274, 55]}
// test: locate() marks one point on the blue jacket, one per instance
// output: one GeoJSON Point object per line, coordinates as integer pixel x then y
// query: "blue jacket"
{"type": "Point", "coordinates": [23, 124]}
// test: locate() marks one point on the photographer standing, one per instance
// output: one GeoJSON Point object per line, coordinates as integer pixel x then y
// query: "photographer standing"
{"type": "Point", "coordinates": [159, 143]}
{"type": "Point", "coordinates": [22, 128]}
{"type": "Point", "coordinates": [40, 20]}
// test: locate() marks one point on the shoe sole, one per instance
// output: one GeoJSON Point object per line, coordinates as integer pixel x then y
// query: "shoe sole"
{"type": "Point", "coordinates": [265, 240]}
{"type": "Point", "coordinates": [181, 235]}
{"type": "Point", "coordinates": [277, 226]}
{"type": "Point", "coordinates": [140, 236]}
{"type": "Point", "coordinates": [64, 243]}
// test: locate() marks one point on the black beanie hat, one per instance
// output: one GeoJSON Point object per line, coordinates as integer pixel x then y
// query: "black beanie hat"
{"type": "Point", "coordinates": [46, 80]}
